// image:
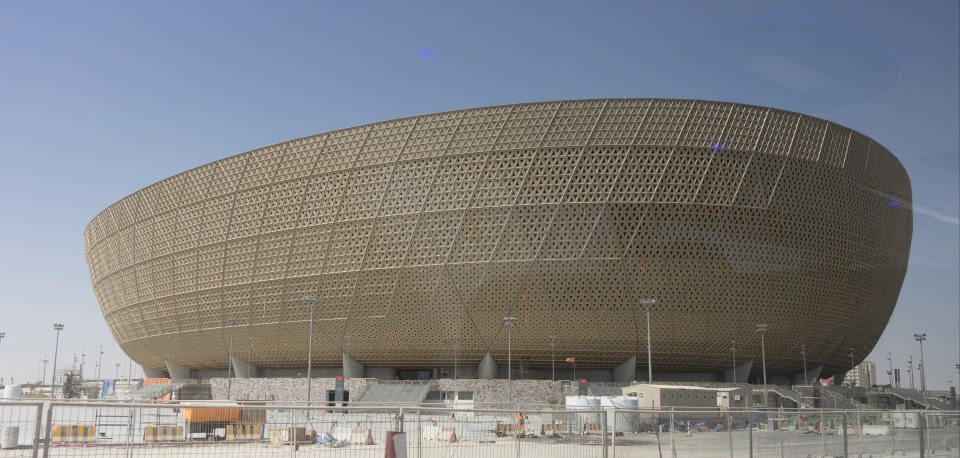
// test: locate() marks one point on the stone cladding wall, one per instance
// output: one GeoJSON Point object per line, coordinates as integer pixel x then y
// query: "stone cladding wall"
{"type": "Point", "coordinates": [486, 393]}
{"type": "Point", "coordinates": [283, 389]}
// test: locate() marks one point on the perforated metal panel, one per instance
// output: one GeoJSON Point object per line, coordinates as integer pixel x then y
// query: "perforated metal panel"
{"type": "Point", "coordinates": [563, 214]}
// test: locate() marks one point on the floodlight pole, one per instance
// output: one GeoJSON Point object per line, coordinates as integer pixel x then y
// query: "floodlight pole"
{"type": "Point", "coordinates": [43, 376]}
{"type": "Point", "coordinates": [232, 322]}
{"type": "Point", "coordinates": [647, 303]}
{"type": "Point", "coordinates": [733, 351]}
{"type": "Point", "coordinates": [762, 329]}
{"type": "Point", "coordinates": [553, 358]}
{"type": "Point", "coordinates": [249, 355]}
{"type": "Point", "coordinates": [890, 372]}
{"type": "Point", "coordinates": [456, 355]}
{"type": "Point", "coordinates": [56, 349]}
{"type": "Point", "coordinates": [923, 367]}
{"type": "Point", "coordinates": [510, 322]}
{"type": "Point", "coordinates": [99, 362]}
{"type": "Point", "coordinates": [910, 370]}
{"type": "Point", "coordinates": [83, 358]}
{"type": "Point", "coordinates": [312, 300]}
{"type": "Point", "coordinates": [803, 352]}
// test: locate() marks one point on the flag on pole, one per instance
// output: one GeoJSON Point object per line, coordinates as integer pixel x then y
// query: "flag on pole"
{"type": "Point", "coordinates": [570, 360]}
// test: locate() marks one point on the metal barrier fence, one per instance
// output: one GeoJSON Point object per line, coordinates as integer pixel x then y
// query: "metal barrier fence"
{"type": "Point", "coordinates": [215, 429]}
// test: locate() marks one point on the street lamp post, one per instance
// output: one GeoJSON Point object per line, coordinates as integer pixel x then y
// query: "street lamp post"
{"type": "Point", "coordinates": [44, 376]}
{"type": "Point", "coordinates": [553, 358]}
{"type": "Point", "coordinates": [923, 376]}
{"type": "Point", "coordinates": [762, 329]}
{"type": "Point", "coordinates": [311, 300]}
{"type": "Point", "coordinates": [2, 335]}
{"type": "Point", "coordinates": [733, 351]}
{"type": "Point", "coordinates": [647, 303]}
{"type": "Point", "coordinates": [232, 322]}
{"type": "Point", "coordinates": [116, 374]}
{"type": "Point", "coordinates": [53, 375]}
{"type": "Point", "coordinates": [510, 322]}
{"type": "Point", "coordinates": [803, 352]}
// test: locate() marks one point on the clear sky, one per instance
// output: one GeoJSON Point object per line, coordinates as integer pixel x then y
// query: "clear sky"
{"type": "Point", "coordinates": [100, 99]}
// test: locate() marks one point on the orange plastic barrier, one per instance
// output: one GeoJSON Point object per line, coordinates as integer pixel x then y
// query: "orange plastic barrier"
{"type": "Point", "coordinates": [195, 414]}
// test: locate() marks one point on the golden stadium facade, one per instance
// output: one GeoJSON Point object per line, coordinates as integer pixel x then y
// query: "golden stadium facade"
{"type": "Point", "coordinates": [418, 235]}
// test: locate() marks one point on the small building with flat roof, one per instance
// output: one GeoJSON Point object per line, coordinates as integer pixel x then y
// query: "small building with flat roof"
{"type": "Point", "coordinates": [688, 397]}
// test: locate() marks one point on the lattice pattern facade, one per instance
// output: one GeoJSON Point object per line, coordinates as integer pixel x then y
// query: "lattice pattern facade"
{"type": "Point", "coordinates": [563, 214]}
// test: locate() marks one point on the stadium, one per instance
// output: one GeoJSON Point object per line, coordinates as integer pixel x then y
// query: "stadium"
{"type": "Point", "coordinates": [582, 219]}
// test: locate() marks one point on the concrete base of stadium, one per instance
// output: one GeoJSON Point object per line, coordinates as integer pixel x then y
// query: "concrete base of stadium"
{"type": "Point", "coordinates": [466, 393]}
{"type": "Point", "coordinates": [626, 372]}
{"type": "Point", "coordinates": [487, 370]}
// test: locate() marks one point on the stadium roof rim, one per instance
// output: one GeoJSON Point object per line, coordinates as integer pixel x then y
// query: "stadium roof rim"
{"type": "Point", "coordinates": [472, 109]}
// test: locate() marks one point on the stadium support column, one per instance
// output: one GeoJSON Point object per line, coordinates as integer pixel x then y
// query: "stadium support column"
{"type": "Point", "coordinates": [150, 372]}
{"type": "Point", "coordinates": [177, 372]}
{"type": "Point", "coordinates": [487, 369]}
{"type": "Point", "coordinates": [243, 369]}
{"type": "Point", "coordinates": [352, 368]}
{"type": "Point", "coordinates": [743, 372]}
{"type": "Point", "coordinates": [626, 372]}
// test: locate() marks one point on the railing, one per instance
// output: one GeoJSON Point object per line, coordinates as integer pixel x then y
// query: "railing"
{"type": "Point", "coordinates": [215, 429]}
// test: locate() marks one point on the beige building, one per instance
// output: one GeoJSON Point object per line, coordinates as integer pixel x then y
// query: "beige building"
{"type": "Point", "coordinates": [415, 237]}
{"type": "Point", "coordinates": [689, 397]}
{"type": "Point", "coordinates": [865, 375]}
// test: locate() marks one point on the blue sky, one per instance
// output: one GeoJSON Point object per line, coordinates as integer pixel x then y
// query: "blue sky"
{"type": "Point", "coordinates": [99, 99]}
